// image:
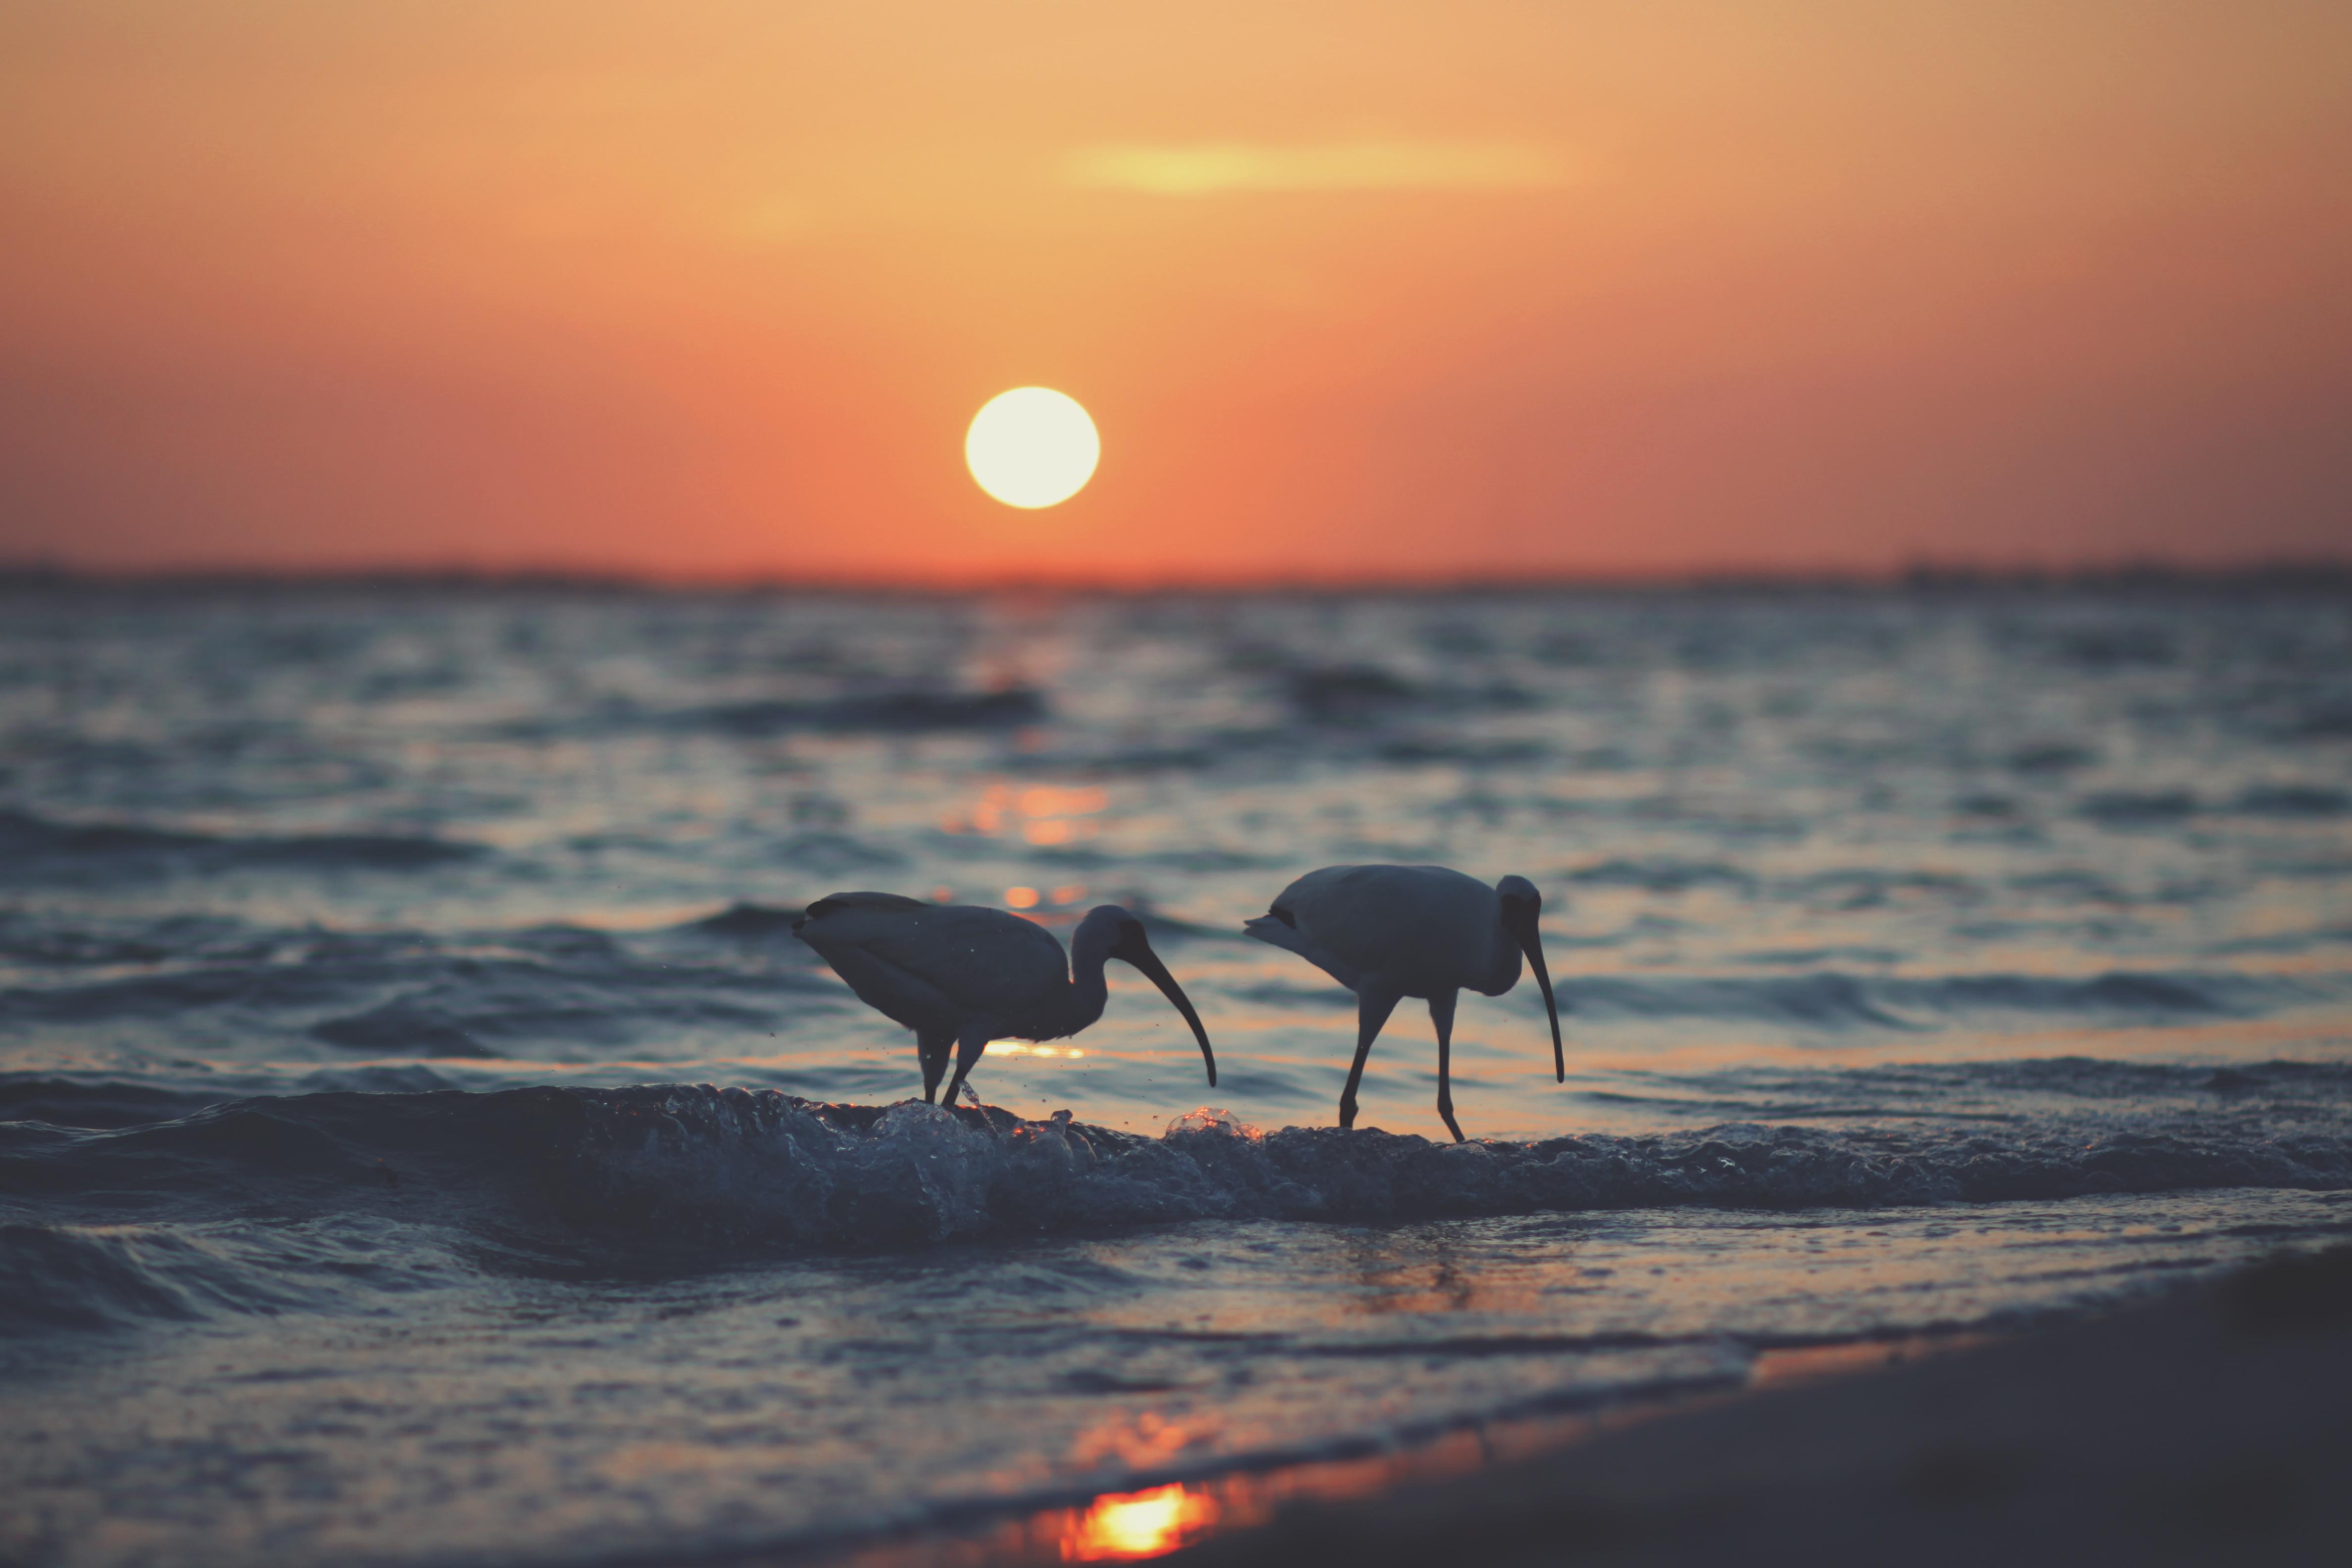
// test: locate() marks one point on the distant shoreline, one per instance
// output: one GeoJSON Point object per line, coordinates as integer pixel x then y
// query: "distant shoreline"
{"type": "Point", "coordinates": [2316, 578]}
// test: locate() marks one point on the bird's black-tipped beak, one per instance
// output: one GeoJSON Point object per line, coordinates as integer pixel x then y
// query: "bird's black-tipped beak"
{"type": "Point", "coordinates": [1133, 948]}
{"type": "Point", "coordinates": [1519, 919]}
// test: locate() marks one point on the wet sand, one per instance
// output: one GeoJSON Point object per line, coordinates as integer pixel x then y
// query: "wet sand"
{"type": "Point", "coordinates": [2212, 1427]}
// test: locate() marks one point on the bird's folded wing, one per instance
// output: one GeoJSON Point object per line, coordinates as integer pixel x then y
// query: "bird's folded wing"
{"type": "Point", "coordinates": [982, 960]}
{"type": "Point", "coordinates": [1278, 933]}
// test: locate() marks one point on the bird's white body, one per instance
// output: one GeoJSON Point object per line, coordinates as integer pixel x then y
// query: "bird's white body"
{"type": "Point", "coordinates": [1386, 933]}
{"type": "Point", "coordinates": [1416, 930]}
{"type": "Point", "coordinates": [962, 975]}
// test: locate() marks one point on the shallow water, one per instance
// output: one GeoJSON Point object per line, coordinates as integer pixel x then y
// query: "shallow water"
{"type": "Point", "coordinates": [422, 1139]}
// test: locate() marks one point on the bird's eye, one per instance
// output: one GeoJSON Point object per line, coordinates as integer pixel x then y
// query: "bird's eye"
{"type": "Point", "coordinates": [1284, 916]}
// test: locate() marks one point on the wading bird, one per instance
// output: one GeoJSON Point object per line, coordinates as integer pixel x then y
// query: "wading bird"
{"type": "Point", "coordinates": [959, 975]}
{"type": "Point", "coordinates": [1386, 933]}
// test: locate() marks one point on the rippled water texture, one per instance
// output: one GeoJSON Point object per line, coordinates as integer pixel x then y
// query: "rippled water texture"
{"type": "Point", "coordinates": [420, 1137]}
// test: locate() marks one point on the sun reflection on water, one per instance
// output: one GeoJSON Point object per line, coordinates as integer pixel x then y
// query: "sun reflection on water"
{"type": "Point", "coordinates": [1126, 1527]}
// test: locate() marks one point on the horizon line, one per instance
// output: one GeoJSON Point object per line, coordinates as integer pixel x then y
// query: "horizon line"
{"type": "Point", "coordinates": [2315, 573]}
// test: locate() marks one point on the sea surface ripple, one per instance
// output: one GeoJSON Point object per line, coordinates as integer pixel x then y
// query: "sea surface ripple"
{"type": "Point", "coordinates": [421, 1138]}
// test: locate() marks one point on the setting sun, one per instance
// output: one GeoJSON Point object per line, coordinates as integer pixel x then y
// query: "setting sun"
{"type": "Point", "coordinates": [1031, 446]}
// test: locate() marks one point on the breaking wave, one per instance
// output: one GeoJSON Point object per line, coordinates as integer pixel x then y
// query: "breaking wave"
{"type": "Point", "coordinates": [689, 1175]}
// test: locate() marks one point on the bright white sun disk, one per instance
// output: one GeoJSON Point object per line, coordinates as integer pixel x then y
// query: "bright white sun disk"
{"type": "Point", "coordinates": [1031, 446]}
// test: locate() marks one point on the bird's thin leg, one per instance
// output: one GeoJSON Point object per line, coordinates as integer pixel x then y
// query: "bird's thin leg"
{"type": "Point", "coordinates": [1440, 1013]}
{"type": "Point", "coordinates": [931, 1050]}
{"type": "Point", "coordinates": [970, 1044]}
{"type": "Point", "coordinates": [1372, 1010]}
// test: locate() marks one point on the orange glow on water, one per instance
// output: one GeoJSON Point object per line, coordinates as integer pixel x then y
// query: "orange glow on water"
{"type": "Point", "coordinates": [1139, 1524]}
{"type": "Point", "coordinates": [1045, 815]}
{"type": "Point", "coordinates": [1134, 1526]}
{"type": "Point", "coordinates": [1146, 1438]}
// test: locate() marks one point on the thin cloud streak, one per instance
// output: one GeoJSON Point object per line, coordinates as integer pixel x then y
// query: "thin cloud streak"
{"type": "Point", "coordinates": [1209, 168]}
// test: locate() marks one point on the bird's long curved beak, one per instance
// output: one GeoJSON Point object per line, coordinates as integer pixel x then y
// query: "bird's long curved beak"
{"type": "Point", "coordinates": [1533, 946]}
{"type": "Point", "coordinates": [1519, 919]}
{"type": "Point", "coordinates": [1138, 951]}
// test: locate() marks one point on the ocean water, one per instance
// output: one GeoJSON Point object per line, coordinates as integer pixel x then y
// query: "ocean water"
{"type": "Point", "coordinates": [423, 1140]}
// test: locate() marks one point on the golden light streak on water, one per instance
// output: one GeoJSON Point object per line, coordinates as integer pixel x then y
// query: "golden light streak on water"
{"type": "Point", "coordinates": [1124, 1528]}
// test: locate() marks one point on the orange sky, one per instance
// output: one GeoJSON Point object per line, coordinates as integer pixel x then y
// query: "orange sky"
{"type": "Point", "coordinates": [1351, 288]}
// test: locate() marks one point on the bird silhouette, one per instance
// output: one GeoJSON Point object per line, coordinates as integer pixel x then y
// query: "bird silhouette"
{"type": "Point", "coordinates": [1386, 933]}
{"type": "Point", "coordinates": [961, 975]}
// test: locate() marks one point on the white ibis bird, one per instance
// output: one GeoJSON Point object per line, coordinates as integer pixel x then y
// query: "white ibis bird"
{"type": "Point", "coordinates": [1386, 933]}
{"type": "Point", "coordinates": [959, 975]}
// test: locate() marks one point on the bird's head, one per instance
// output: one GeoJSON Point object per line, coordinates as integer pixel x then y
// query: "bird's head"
{"type": "Point", "coordinates": [1521, 907]}
{"type": "Point", "coordinates": [1110, 931]}
{"type": "Point", "coordinates": [1520, 893]}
